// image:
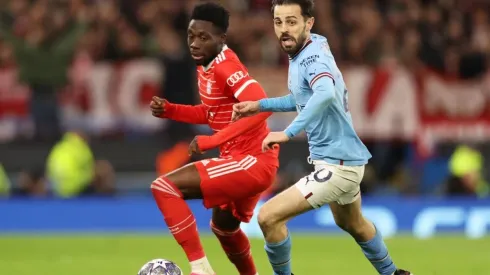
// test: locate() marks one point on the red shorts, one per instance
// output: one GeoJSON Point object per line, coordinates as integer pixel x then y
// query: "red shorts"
{"type": "Point", "coordinates": [235, 183]}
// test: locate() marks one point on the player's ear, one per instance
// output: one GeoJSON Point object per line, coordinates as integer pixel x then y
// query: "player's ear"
{"type": "Point", "coordinates": [223, 38]}
{"type": "Point", "coordinates": [309, 23]}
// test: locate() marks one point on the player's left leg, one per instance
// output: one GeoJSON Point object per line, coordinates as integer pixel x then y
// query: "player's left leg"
{"type": "Point", "coordinates": [349, 217]}
{"type": "Point", "coordinates": [170, 192]}
{"type": "Point", "coordinates": [233, 240]}
{"type": "Point", "coordinates": [346, 209]}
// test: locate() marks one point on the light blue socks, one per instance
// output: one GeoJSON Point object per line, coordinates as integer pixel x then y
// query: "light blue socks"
{"type": "Point", "coordinates": [376, 252]}
{"type": "Point", "coordinates": [280, 256]}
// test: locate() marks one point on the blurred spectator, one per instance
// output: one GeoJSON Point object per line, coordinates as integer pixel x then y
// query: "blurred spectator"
{"type": "Point", "coordinates": [43, 39]}
{"type": "Point", "coordinates": [73, 171]}
{"type": "Point", "coordinates": [31, 183]}
{"type": "Point", "coordinates": [466, 166]}
{"type": "Point", "coordinates": [4, 182]}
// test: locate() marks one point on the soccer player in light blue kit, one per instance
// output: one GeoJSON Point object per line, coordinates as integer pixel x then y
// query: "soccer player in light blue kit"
{"type": "Point", "coordinates": [318, 93]}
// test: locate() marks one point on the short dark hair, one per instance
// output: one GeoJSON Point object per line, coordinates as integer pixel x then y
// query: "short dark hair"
{"type": "Point", "coordinates": [212, 12]}
{"type": "Point", "coordinates": [307, 6]}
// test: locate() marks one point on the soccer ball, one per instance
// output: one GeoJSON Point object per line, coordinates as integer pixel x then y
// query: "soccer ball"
{"type": "Point", "coordinates": [160, 267]}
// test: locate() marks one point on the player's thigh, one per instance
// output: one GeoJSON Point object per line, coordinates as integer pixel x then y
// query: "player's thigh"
{"type": "Point", "coordinates": [331, 183]}
{"type": "Point", "coordinates": [225, 180]}
{"type": "Point", "coordinates": [283, 207]}
{"type": "Point", "coordinates": [186, 179]}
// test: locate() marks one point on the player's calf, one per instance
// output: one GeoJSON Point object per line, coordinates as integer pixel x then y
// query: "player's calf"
{"type": "Point", "coordinates": [355, 224]}
{"type": "Point", "coordinates": [233, 241]}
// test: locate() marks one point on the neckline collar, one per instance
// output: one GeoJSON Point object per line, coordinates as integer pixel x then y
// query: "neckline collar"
{"type": "Point", "coordinates": [207, 67]}
{"type": "Point", "coordinates": [308, 42]}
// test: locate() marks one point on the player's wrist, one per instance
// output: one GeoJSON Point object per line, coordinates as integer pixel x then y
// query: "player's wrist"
{"type": "Point", "coordinates": [262, 105]}
{"type": "Point", "coordinates": [289, 133]}
{"type": "Point", "coordinates": [168, 110]}
{"type": "Point", "coordinates": [205, 143]}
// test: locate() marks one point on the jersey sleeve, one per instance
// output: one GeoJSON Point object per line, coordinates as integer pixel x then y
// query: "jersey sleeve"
{"type": "Point", "coordinates": [285, 103]}
{"type": "Point", "coordinates": [235, 78]}
{"type": "Point", "coordinates": [193, 114]}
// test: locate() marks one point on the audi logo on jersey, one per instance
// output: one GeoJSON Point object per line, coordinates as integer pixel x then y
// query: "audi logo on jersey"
{"type": "Point", "coordinates": [235, 78]}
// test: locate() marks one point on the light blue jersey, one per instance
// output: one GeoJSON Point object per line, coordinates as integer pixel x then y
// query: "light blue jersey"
{"type": "Point", "coordinates": [318, 93]}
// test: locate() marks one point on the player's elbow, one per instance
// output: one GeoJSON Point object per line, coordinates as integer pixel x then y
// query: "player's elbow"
{"type": "Point", "coordinates": [327, 98]}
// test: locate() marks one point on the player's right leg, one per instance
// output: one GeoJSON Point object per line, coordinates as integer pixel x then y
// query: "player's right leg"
{"type": "Point", "coordinates": [232, 186]}
{"type": "Point", "coordinates": [272, 218]}
{"type": "Point", "coordinates": [169, 192]}
{"type": "Point", "coordinates": [339, 186]}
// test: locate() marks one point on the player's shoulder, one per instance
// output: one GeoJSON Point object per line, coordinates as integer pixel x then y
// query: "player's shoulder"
{"type": "Point", "coordinates": [227, 57]}
{"type": "Point", "coordinates": [319, 46]}
{"type": "Point", "coordinates": [228, 63]}
{"type": "Point", "coordinates": [317, 52]}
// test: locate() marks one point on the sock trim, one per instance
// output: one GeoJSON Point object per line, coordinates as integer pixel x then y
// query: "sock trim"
{"type": "Point", "coordinates": [176, 227]}
{"type": "Point", "coordinates": [374, 238]}
{"type": "Point", "coordinates": [288, 238]}
{"type": "Point", "coordinates": [221, 232]}
{"type": "Point", "coordinates": [283, 263]}
{"type": "Point", "coordinates": [380, 260]}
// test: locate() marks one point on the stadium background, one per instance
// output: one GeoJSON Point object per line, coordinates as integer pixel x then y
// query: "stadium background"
{"type": "Point", "coordinates": [419, 84]}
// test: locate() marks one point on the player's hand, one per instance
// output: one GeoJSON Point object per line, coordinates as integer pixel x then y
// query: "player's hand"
{"type": "Point", "coordinates": [244, 109]}
{"type": "Point", "coordinates": [157, 106]}
{"type": "Point", "coordinates": [194, 147]}
{"type": "Point", "coordinates": [273, 139]}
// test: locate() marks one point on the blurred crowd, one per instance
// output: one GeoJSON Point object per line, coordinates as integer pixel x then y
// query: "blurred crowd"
{"type": "Point", "coordinates": [448, 35]}
{"type": "Point", "coordinates": [44, 38]}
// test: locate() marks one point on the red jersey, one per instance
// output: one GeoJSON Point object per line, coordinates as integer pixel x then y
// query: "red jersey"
{"type": "Point", "coordinates": [222, 83]}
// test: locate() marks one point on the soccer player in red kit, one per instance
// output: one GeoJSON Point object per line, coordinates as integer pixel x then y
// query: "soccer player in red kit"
{"type": "Point", "coordinates": [231, 184]}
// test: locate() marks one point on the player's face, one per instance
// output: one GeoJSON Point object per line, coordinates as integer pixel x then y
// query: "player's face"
{"type": "Point", "coordinates": [292, 29]}
{"type": "Point", "coordinates": [204, 40]}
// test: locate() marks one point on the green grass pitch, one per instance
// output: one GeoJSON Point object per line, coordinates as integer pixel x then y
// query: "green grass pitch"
{"type": "Point", "coordinates": [335, 255]}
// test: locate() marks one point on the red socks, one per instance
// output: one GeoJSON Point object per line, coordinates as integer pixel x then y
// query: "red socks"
{"type": "Point", "coordinates": [178, 216]}
{"type": "Point", "coordinates": [237, 246]}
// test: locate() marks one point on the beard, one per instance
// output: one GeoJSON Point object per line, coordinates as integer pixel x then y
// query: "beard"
{"type": "Point", "coordinates": [291, 45]}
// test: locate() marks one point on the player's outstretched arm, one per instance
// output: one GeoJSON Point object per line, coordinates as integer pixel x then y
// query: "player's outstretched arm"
{"type": "Point", "coordinates": [278, 104]}
{"type": "Point", "coordinates": [161, 108]}
{"type": "Point", "coordinates": [323, 95]}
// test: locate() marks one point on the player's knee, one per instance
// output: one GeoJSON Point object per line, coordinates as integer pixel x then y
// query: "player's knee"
{"type": "Point", "coordinates": [351, 226]}
{"type": "Point", "coordinates": [343, 224]}
{"type": "Point", "coordinates": [162, 187]}
{"type": "Point", "coordinates": [267, 219]}
{"type": "Point", "coordinates": [223, 220]}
